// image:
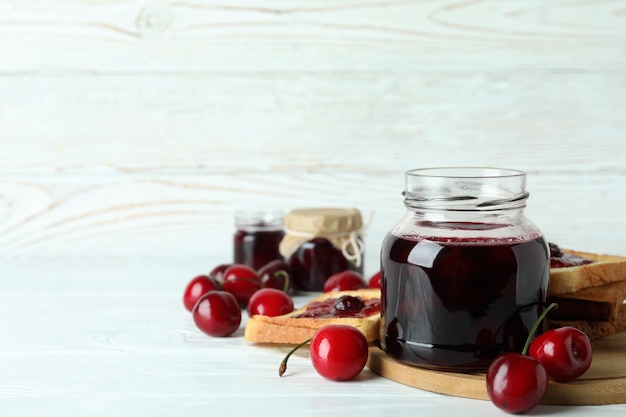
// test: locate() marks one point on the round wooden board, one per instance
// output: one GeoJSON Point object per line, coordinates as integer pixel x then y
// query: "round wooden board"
{"type": "Point", "coordinates": [603, 383]}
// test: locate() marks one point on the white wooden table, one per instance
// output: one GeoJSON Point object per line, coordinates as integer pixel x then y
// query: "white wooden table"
{"type": "Point", "coordinates": [109, 338]}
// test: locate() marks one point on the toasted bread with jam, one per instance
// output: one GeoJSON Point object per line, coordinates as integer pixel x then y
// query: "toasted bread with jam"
{"type": "Point", "coordinates": [572, 270]}
{"type": "Point", "coordinates": [590, 290]}
{"type": "Point", "coordinates": [358, 308]}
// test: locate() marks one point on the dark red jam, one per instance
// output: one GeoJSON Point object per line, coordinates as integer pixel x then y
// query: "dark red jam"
{"type": "Point", "coordinates": [314, 262]}
{"type": "Point", "coordinates": [344, 306]}
{"type": "Point", "coordinates": [257, 247]}
{"type": "Point", "coordinates": [560, 259]}
{"type": "Point", "coordinates": [456, 304]}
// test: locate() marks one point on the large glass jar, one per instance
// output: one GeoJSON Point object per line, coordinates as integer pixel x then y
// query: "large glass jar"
{"type": "Point", "coordinates": [464, 273]}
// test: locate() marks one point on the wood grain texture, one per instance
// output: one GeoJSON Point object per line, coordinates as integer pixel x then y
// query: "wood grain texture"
{"type": "Point", "coordinates": [136, 128]}
{"type": "Point", "coordinates": [603, 383]}
{"type": "Point", "coordinates": [193, 216]}
{"type": "Point", "coordinates": [83, 124]}
{"type": "Point", "coordinates": [344, 35]}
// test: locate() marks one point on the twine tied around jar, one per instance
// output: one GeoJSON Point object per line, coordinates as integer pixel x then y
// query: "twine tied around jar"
{"type": "Point", "coordinates": [358, 249]}
{"type": "Point", "coordinates": [342, 227]}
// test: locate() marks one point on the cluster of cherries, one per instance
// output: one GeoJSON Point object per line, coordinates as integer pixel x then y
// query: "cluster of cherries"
{"type": "Point", "coordinates": [217, 299]}
{"type": "Point", "coordinates": [517, 382]}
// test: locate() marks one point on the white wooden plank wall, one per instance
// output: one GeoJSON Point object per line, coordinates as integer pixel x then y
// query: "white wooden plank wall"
{"type": "Point", "coordinates": [135, 128]}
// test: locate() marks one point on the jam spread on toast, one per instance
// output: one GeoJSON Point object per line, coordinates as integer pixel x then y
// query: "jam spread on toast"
{"type": "Point", "coordinates": [344, 306]}
{"type": "Point", "coordinates": [559, 259]}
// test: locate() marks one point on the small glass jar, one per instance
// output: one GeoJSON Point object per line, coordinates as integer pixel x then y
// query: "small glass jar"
{"type": "Point", "coordinates": [320, 242]}
{"type": "Point", "coordinates": [464, 273]}
{"type": "Point", "coordinates": [257, 238]}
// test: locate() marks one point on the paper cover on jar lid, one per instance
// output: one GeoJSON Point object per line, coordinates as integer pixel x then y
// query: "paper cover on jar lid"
{"type": "Point", "coordinates": [336, 224]}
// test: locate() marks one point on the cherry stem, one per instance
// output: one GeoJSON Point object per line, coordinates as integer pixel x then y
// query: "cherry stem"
{"type": "Point", "coordinates": [283, 273]}
{"type": "Point", "coordinates": [283, 364]}
{"type": "Point", "coordinates": [531, 335]}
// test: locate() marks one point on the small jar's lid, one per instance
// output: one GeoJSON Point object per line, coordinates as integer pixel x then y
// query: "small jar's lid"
{"type": "Point", "coordinates": [259, 219]}
{"type": "Point", "coordinates": [323, 221]}
{"type": "Point", "coordinates": [341, 226]}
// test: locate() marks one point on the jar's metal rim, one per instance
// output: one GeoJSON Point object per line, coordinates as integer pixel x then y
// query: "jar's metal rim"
{"type": "Point", "coordinates": [466, 172]}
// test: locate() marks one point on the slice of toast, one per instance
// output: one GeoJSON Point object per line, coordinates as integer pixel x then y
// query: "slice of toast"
{"type": "Point", "coordinates": [603, 270]}
{"type": "Point", "coordinates": [601, 303]}
{"type": "Point", "coordinates": [595, 329]}
{"type": "Point", "coordinates": [289, 329]}
{"type": "Point", "coordinates": [590, 295]}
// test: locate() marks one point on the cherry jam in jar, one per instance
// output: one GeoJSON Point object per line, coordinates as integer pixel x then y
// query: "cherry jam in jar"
{"type": "Point", "coordinates": [314, 261]}
{"type": "Point", "coordinates": [464, 273]}
{"type": "Point", "coordinates": [257, 238]}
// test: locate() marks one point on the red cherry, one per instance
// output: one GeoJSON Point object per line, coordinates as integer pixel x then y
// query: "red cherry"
{"type": "Point", "coordinates": [196, 288]}
{"type": "Point", "coordinates": [275, 274]}
{"type": "Point", "coordinates": [565, 352]}
{"type": "Point", "coordinates": [338, 352]}
{"type": "Point", "coordinates": [374, 281]}
{"type": "Point", "coordinates": [217, 273]}
{"type": "Point", "coordinates": [343, 281]}
{"type": "Point", "coordinates": [217, 313]}
{"type": "Point", "coordinates": [270, 302]}
{"type": "Point", "coordinates": [515, 382]}
{"type": "Point", "coordinates": [242, 281]}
